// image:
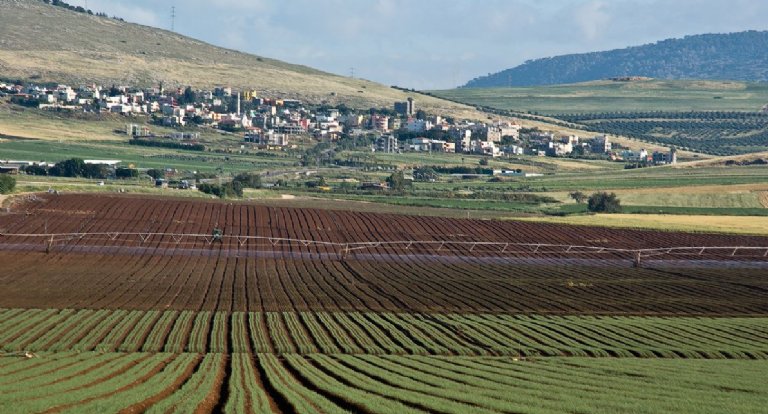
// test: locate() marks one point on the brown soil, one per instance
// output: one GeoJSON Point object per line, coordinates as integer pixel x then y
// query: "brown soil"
{"type": "Point", "coordinates": [166, 273]}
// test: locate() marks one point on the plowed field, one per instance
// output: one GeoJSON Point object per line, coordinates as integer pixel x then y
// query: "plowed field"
{"type": "Point", "coordinates": [112, 262]}
{"type": "Point", "coordinates": [131, 304]}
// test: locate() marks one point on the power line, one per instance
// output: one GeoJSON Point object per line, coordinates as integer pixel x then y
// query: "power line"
{"type": "Point", "coordinates": [173, 18]}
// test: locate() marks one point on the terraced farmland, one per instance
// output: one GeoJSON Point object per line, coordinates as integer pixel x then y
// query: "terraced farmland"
{"type": "Point", "coordinates": [133, 306]}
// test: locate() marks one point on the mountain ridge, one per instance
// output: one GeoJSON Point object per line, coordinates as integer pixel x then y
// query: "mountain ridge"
{"type": "Point", "coordinates": [741, 56]}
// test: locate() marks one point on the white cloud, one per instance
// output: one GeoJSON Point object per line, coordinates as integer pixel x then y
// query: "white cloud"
{"type": "Point", "coordinates": [386, 7]}
{"type": "Point", "coordinates": [592, 18]}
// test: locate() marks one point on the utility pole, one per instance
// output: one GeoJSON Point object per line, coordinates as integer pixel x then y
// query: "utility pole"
{"type": "Point", "coordinates": [173, 18]}
{"type": "Point", "coordinates": [352, 72]}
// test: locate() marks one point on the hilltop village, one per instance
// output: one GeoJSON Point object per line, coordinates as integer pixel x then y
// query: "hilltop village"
{"type": "Point", "coordinates": [276, 123]}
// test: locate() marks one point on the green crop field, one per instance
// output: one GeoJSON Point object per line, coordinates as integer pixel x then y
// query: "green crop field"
{"type": "Point", "coordinates": [727, 191]}
{"type": "Point", "coordinates": [141, 157]}
{"type": "Point", "coordinates": [608, 96]}
{"type": "Point", "coordinates": [382, 333]}
{"type": "Point", "coordinates": [96, 361]}
{"type": "Point", "coordinates": [380, 384]}
{"type": "Point", "coordinates": [718, 133]}
{"type": "Point", "coordinates": [719, 118]}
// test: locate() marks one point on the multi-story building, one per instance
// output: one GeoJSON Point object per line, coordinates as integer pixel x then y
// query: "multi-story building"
{"type": "Point", "coordinates": [380, 123]}
{"type": "Point", "coordinates": [387, 143]}
{"type": "Point", "coordinates": [601, 144]}
{"type": "Point", "coordinates": [407, 108]}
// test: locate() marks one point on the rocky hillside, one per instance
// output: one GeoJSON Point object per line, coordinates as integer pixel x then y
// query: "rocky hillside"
{"type": "Point", "coordinates": [46, 43]}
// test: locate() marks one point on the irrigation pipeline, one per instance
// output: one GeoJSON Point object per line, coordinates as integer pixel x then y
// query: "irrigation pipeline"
{"type": "Point", "coordinates": [436, 248]}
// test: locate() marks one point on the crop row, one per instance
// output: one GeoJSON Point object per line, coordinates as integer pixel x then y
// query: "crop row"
{"type": "Point", "coordinates": [384, 333]}
{"type": "Point", "coordinates": [723, 133]}
{"type": "Point", "coordinates": [94, 382]}
{"type": "Point", "coordinates": [260, 284]}
{"type": "Point", "coordinates": [242, 383]}
{"type": "Point", "coordinates": [751, 117]}
{"type": "Point", "coordinates": [459, 384]}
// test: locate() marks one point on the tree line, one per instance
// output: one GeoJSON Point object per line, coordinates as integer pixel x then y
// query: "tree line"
{"type": "Point", "coordinates": [78, 9]}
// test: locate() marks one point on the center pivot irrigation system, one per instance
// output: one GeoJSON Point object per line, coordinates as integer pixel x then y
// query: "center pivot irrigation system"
{"type": "Point", "coordinates": [343, 249]}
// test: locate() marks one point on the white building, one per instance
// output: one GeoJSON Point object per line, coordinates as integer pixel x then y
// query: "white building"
{"type": "Point", "coordinates": [66, 94]}
{"type": "Point", "coordinates": [268, 138]}
{"type": "Point", "coordinates": [560, 149]}
{"type": "Point", "coordinates": [418, 125]}
{"type": "Point", "coordinates": [487, 148]}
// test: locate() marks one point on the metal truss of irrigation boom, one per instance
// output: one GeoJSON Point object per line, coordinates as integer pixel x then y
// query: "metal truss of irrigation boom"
{"type": "Point", "coordinates": [435, 245]}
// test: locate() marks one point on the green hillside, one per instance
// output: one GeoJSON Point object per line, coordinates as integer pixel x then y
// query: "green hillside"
{"type": "Point", "coordinates": [739, 56]}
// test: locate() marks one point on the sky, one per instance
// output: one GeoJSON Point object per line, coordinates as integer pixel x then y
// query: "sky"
{"type": "Point", "coordinates": [433, 44]}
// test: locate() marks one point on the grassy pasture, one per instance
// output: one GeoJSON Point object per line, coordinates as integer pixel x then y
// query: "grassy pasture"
{"type": "Point", "coordinates": [141, 157]}
{"type": "Point", "coordinates": [757, 225]}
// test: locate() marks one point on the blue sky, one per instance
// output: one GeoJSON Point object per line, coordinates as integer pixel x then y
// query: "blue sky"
{"type": "Point", "coordinates": [432, 44]}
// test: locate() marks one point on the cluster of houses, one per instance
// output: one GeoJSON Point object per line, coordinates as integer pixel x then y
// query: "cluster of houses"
{"type": "Point", "coordinates": [644, 158]}
{"type": "Point", "coordinates": [278, 123]}
{"type": "Point", "coordinates": [267, 122]}
{"type": "Point", "coordinates": [463, 137]}
{"type": "Point", "coordinates": [549, 144]}
{"type": "Point", "coordinates": [506, 139]}
{"type": "Point", "coordinates": [175, 108]}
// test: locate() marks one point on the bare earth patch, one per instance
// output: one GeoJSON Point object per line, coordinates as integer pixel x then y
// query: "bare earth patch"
{"type": "Point", "coordinates": [764, 198]}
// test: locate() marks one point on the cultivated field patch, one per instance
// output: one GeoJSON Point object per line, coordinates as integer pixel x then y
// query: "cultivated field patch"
{"type": "Point", "coordinates": [131, 304]}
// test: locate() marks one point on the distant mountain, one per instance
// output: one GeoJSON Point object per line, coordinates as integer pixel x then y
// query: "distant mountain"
{"type": "Point", "coordinates": [735, 56]}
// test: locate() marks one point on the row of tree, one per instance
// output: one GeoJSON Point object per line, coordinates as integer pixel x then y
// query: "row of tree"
{"type": "Point", "coordinates": [73, 167]}
{"type": "Point", "coordinates": [234, 188]}
{"type": "Point", "coordinates": [76, 167]}
{"type": "Point", "coordinates": [166, 144]}
{"type": "Point", "coordinates": [78, 9]}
